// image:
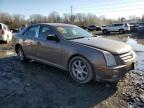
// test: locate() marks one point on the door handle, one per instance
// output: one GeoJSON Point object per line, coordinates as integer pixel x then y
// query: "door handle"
{"type": "Point", "coordinates": [38, 43]}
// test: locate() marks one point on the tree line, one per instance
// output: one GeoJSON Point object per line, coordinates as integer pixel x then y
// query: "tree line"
{"type": "Point", "coordinates": [80, 19]}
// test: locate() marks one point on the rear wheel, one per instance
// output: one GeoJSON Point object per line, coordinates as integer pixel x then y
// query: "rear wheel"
{"type": "Point", "coordinates": [20, 54]}
{"type": "Point", "coordinates": [7, 41]}
{"type": "Point", "coordinates": [121, 31]}
{"type": "Point", "coordinates": [80, 70]}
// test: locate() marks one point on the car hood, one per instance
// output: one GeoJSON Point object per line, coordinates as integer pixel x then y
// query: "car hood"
{"type": "Point", "coordinates": [112, 46]}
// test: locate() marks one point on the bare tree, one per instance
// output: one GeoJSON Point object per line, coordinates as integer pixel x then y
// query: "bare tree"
{"type": "Point", "coordinates": [18, 20]}
{"type": "Point", "coordinates": [80, 19]}
{"type": "Point", "coordinates": [54, 17]}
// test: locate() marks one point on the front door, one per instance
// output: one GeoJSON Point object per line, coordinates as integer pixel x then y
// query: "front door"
{"type": "Point", "coordinates": [48, 50]}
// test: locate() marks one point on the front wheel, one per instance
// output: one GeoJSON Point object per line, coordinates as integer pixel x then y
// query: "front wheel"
{"type": "Point", "coordinates": [80, 70]}
{"type": "Point", "coordinates": [104, 31]}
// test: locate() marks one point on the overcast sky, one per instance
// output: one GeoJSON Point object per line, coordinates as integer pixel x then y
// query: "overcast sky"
{"type": "Point", "coordinates": [109, 8]}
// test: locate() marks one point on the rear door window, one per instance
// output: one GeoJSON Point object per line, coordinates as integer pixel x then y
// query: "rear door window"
{"type": "Point", "coordinates": [32, 32]}
{"type": "Point", "coordinates": [116, 25]}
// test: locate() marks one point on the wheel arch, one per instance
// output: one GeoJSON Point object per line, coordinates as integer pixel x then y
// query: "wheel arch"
{"type": "Point", "coordinates": [80, 55]}
{"type": "Point", "coordinates": [92, 73]}
{"type": "Point", "coordinates": [17, 45]}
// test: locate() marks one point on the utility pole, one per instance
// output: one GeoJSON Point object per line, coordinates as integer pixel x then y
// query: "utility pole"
{"type": "Point", "coordinates": [71, 8]}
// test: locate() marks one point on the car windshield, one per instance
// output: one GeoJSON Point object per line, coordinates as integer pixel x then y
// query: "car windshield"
{"type": "Point", "coordinates": [73, 32]}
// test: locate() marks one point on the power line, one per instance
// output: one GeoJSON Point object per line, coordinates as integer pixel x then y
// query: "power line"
{"type": "Point", "coordinates": [100, 11]}
{"type": "Point", "coordinates": [105, 4]}
{"type": "Point", "coordinates": [109, 7]}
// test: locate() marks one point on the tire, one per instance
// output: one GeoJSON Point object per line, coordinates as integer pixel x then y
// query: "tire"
{"type": "Point", "coordinates": [104, 31]}
{"type": "Point", "coordinates": [7, 40]}
{"type": "Point", "coordinates": [20, 54]}
{"type": "Point", "coordinates": [80, 70]}
{"type": "Point", "coordinates": [121, 31]}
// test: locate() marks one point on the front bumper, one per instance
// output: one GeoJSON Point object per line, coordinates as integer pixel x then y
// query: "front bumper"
{"type": "Point", "coordinates": [113, 74]}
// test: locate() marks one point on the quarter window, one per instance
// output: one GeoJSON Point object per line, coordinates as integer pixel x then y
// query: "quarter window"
{"type": "Point", "coordinates": [0, 26]}
{"type": "Point", "coordinates": [4, 27]}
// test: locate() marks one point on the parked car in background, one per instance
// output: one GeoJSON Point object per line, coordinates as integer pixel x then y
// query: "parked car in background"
{"type": "Point", "coordinates": [93, 27]}
{"type": "Point", "coordinates": [119, 27]}
{"type": "Point", "coordinates": [75, 50]}
{"type": "Point", "coordinates": [5, 33]}
{"type": "Point", "coordinates": [133, 27]}
{"type": "Point", "coordinates": [140, 30]}
{"type": "Point", "coordinates": [83, 27]}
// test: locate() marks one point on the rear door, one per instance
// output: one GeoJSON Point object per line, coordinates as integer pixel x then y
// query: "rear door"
{"type": "Point", "coordinates": [118, 27]}
{"type": "Point", "coordinates": [48, 50]}
{"type": "Point", "coordinates": [110, 27]}
{"type": "Point", "coordinates": [29, 41]}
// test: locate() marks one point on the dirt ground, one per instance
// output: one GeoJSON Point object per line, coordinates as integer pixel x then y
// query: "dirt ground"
{"type": "Point", "coordinates": [36, 85]}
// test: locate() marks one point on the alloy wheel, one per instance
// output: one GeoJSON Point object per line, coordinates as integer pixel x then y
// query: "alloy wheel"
{"type": "Point", "coordinates": [79, 70]}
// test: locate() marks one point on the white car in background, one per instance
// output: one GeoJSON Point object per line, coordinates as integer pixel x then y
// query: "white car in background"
{"type": "Point", "coordinates": [119, 27]}
{"type": "Point", "coordinates": [5, 33]}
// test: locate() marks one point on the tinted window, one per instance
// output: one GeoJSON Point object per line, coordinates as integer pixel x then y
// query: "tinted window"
{"type": "Point", "coordinates": [44, 32]}
{"type": "Point", "coordinates": [92, 26]}
{"type": "Point", "coordinates": [0, 26]}
{"type": "Point", "coordinates": [141, 24]}
{"type": "Point", "coordinates": [126, 24]}
{"type": "Point", "coordinates": [31, 32]}
{"type": "Point", "coordinates": [4, 27]}
{"type": "Point", "coordinates": [118, 24]}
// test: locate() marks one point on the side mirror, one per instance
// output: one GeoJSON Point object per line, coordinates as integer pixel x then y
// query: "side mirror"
{"type": "Point", "coordinates": [52, 37]}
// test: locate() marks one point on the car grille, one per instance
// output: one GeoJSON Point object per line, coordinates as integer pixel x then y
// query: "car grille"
{"type": "Point", "coordinates": [126, 57]}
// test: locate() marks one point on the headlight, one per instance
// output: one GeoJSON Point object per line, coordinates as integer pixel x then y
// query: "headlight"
{"type": "Point", "coordinates": [134, 54]}
{"type": "Point", "coordinates": [110, 60]}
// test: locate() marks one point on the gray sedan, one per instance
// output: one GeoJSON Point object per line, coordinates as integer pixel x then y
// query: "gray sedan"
{"type": "Point", "coordinates": [73, 49]}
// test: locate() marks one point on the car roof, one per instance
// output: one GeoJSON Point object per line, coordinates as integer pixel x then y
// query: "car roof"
{"type": "Point", "coordinates": [54, 24]}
